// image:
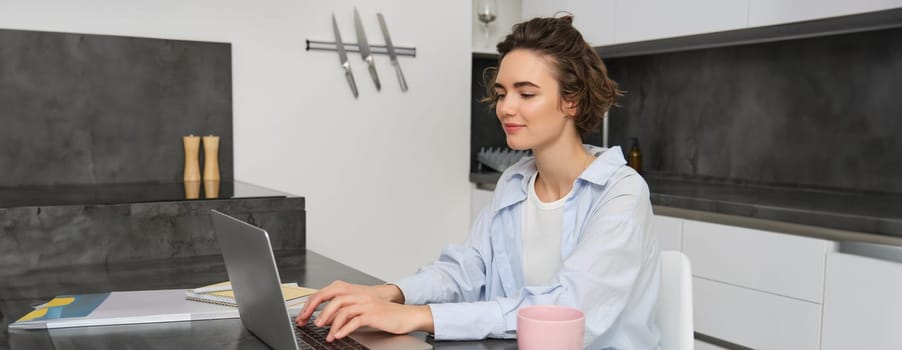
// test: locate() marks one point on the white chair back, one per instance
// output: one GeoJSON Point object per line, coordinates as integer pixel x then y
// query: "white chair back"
{"type": "Point", "coordinates": [675, 302]}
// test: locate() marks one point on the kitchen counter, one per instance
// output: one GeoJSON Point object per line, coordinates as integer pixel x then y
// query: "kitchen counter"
{"type": "Point", "coordinates": [46, 227]}
{"type": "Point", "coordinates": [30, 196]}
{"type": "Point", "coordinates": [836, 215]}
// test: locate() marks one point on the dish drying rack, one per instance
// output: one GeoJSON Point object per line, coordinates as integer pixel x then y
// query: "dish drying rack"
{"type": "Point", "coordinates": [499, 159]}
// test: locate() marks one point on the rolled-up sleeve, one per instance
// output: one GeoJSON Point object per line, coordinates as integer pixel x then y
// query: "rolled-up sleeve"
{"type": "Point", "coordinates": [468, 321]}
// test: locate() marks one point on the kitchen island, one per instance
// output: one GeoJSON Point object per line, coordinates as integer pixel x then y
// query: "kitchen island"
{"type": "Point", "coordinates": [56, 226]}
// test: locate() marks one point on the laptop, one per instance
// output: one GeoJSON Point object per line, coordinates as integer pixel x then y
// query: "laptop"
{"type": "Point", "coordinates": [255, 280]}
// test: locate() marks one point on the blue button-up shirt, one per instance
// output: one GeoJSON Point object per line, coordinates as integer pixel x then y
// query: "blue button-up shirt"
{"type": "Point", "coordinates": [610, 268]}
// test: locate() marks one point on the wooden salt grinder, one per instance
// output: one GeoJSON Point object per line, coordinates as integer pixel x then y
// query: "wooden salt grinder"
{"type": "Point", "coordinates": [211, 166]}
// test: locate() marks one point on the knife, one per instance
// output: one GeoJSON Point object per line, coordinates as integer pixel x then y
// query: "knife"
{"type": "Point", "coordinates": [365, 49]}
{"type": "Point", "coordinates": [343, 57]}
{"type": "Point", "coordinates": [391, 52]}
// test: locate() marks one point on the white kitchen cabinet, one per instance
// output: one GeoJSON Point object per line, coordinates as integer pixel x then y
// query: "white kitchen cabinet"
{"type": "Point", "coordinates": [782, 264]}
{"type": "Point", "coordinates": [608, 22]}
{"type": "Point", "coordinates": [770, 12]}
{"type": "Point", "coordinates": [539, 8]}
{"type": "Point", "coordinates": [669, 231]}
{"type": "Point", "coordinates": [862, 303]}
{"type": "Point", "coordinates": [754, 318]}
{"type": "Point", "coordinates": [593, 18]}
{"type": "Point", "coordinates": [756, 288]}
{"type": "Point", "coordinates": [640, 20]}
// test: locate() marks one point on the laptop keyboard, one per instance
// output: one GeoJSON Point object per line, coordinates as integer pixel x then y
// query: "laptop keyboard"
{"type": "Point", "coordinates": [311, 337]}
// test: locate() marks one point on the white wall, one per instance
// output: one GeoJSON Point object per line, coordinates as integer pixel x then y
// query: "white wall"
{"type": "Point", "coordinates": [385, 176]}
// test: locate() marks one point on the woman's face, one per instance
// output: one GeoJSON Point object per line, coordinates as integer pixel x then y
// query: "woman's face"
{"type": "Point", "coordinates": [529, 104]}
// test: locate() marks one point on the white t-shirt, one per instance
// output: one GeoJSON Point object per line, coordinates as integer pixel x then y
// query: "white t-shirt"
{"type": "Point", "coordinates": [542, 237]}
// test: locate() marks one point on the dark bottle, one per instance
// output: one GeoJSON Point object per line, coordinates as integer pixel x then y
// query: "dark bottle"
{"type": "Point", "coordinates": [634, 158]}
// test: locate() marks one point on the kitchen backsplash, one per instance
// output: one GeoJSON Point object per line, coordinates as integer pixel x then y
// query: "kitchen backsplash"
{"type": "Point", "coordinates": [96, 109]}
{"type": "Point", "coordinates": [823, 113]}
{"type": "Point", "coordinates": [819, 112]}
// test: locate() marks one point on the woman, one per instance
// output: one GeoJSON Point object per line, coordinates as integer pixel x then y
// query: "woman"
{"type": "Point", "coordinates": [570, 226]}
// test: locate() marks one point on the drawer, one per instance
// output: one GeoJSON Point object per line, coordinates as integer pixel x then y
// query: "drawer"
{"type": "Point", "coordinates": [755, 319]}
{"type": "Point", "coordinates": [777, 263]}
{"type": "Point", "coordinates": [862, 303]}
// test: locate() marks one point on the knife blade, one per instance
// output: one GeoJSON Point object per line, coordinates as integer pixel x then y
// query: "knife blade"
{"type": "Point", "coordinates": [365, 52]}
{"type": "Point", "coordinates": [391, 52]}
{"type": "Point", "coordinates": [343, 57]}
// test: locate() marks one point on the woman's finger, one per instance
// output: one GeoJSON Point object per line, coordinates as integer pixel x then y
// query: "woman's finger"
{"type": "Point", "coordinates": [344, 315]}
{"type": "Point", "coordinates": [309, 306]}
{"type": "Point", "coordinates": [347, 328]}
{"type": "Point", "coordinates": [312, 303]}
{"type": "Point", "coordinates": [327, 315]}
{"type": "Point", "coordinates": [328, 293]}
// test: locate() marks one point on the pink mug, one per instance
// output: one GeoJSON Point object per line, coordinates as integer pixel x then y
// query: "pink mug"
{"type": "Point", "coordinates": [543, 327]}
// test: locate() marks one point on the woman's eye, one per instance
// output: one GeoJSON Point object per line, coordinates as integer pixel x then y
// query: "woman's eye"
{"type": "Point", "coordinates": [499, 96]}
{"type": "Point", "coordinates": [527, 95]}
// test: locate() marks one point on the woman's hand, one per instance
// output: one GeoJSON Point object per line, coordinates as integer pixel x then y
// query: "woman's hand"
{"type": "Point", "coordinates": [387, 293]}
{"type": "Point", "coordinates": [352, 306]}
{"type": "Point", "coordinates": [349, 312]}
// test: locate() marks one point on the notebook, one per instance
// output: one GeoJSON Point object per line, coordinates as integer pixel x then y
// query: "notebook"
{"type": "Point", "coordinates": [116, 308]}
{"type": "Point", "coordinates": [65, 307]}
{"type": "Point", "coordinates": [294, 295]}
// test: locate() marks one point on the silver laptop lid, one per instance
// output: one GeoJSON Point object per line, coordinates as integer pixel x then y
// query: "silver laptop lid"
{"type": "Point", "coordinates": [255, 280]}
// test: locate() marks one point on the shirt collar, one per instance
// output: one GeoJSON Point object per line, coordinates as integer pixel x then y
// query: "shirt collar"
{"type": "Point", "coordinates": [514, 183]}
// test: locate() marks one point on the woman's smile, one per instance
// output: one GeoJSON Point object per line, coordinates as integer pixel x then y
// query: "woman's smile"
{"type": "Point", "coordinates": [513, 128]}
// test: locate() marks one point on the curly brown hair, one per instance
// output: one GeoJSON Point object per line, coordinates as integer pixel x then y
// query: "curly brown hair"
{"type": "Point", "coordinates": [582, 76]}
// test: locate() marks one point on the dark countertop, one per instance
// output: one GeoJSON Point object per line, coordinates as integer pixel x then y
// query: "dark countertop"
{"type": "Point", "coordinates": [862, 214]}
{"type": "Point", "coordinates": [19, 292]}
{"type": "Point", "coordinates": [28, 196]}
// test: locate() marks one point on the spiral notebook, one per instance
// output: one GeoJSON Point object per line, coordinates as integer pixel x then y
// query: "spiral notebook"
{"type": "Point", "coordinates": [221, 294]}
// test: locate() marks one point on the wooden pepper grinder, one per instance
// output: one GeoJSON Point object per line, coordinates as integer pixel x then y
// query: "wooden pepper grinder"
{"type": "Point", "coordinates": [211, 166]}
{"type": "Point", "coordinates": [192, 166]}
